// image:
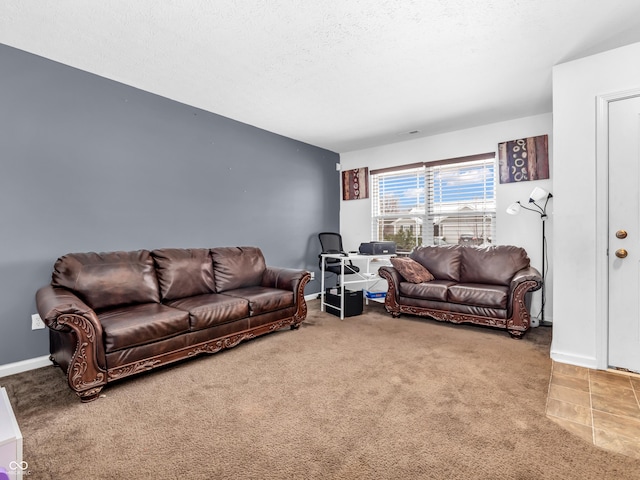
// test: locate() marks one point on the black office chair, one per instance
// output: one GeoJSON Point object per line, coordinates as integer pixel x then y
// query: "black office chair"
{"type": "Point", "coordinates": [332, 243]}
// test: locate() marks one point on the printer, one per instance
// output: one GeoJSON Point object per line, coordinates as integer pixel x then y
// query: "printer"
{"type": "Point", "coordinates": [378, 248]}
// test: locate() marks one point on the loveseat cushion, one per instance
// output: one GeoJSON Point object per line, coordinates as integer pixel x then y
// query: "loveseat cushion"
{"type": "Point", "coordinates": [211, 309]}
{"type": "Point", "coordinates": [494, 264]}
{"type": "Point", "coordinates": [183, 272]}
{"type": "Point", "coordinates": [480, 295]}
{"type": "Point", "coordinates": [443, 261]}
{"type": "Point", "coordinates": [134, 325]}
{"type": "Point", "coordinates": [107, 280]}
{"type": "Point", "coordinates": [264, 299]}
{"type": "Point", "coordinates": [237, 267]}
{"type": "Point", "coordinates": [434, 290]}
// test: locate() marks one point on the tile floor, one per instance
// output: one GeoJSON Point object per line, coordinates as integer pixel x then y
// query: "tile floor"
{"type": "Point", "coordinates": [602, 407]}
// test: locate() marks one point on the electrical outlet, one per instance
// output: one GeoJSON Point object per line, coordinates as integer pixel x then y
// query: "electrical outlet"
{"type": "Point", "coordinates": [36, 322]}
{"type": "Point", "coordinates": [313, 275]}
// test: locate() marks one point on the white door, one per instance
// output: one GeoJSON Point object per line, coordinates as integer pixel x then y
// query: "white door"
{"type": "Point", "coordinates": [624, 234]}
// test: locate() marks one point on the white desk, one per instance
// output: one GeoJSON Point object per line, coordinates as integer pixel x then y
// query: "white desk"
{"type": "Point", "coordinates": [360, 277]}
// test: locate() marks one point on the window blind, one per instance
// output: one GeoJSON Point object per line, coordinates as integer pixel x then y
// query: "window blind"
{"type": "Point", "coordinates": [444, 202]}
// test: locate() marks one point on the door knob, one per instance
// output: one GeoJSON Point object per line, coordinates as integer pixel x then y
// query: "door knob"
{"type": "Point", "coordinates": [621, 234]}
{"type": "Point", "coordinates": [621, 253]}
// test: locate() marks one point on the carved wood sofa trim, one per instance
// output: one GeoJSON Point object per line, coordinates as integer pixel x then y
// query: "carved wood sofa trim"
{"type": "Point", "coordinates": [84, 374]}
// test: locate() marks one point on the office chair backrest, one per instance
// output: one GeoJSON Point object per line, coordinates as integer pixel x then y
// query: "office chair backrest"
{"type": "Point", "coordinates": [330, 242]}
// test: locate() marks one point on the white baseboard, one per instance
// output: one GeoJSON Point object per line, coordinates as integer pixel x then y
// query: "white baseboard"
{"type": "Point", "coordinates": [571, 359]}
{"type": "Point", "coordinates": [24, 366]}
{"type": "Point", "coordinates": [312, 296]}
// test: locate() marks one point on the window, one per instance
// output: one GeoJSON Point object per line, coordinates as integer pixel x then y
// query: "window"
{"type": "Point", "coordinates": [445, 202]}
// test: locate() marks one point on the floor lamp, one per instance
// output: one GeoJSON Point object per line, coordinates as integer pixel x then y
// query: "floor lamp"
{"type": "Point", "coordinates": [538, 204]}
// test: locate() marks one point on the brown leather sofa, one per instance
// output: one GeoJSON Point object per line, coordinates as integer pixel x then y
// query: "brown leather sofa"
{"type": "Point", "coordinates": [116, 314]}
{"type": "Point", "coordinates": [479, 285]}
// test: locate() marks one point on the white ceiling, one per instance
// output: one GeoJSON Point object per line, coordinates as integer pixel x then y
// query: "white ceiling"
{"type": "Point", "coordinates": [339, 74]}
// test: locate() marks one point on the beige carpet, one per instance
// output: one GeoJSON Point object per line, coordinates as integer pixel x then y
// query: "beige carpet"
{"type": "Point", "coordinates": [370, 397]}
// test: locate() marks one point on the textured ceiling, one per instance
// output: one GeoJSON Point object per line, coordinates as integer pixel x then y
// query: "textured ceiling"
{"type": "Point", "coordinates": [340, 74]}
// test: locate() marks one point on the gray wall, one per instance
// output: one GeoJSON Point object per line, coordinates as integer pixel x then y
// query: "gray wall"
{"type": "Point", "coordinates": [89, 164]}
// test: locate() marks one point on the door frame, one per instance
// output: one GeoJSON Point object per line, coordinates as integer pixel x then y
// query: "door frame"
{"type": "Point", "coordinates": [602, 222]}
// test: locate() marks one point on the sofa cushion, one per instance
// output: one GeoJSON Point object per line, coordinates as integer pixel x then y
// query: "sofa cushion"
{"type": "Point", "coordinates": [443, 261]}
{"type": "Point", "coordinates": [134, 325]}
{"type": "Point", "coordinates": [480, 295]}
{"type": "Point", "coordinates": [212, 309]}
{"type": "Point", "coordinates": [183, 272]}
{"type": "Point", "coordinates": [411, 270]}
{"type": "Point", "coordinates": [237, 267]}
{"type": "Point", "coordinates": [264, 299]}
{"type": "Point", "coordinates": [106, 280]}
{"type": "Point", "coordinates": [434, 290]}
{"type": "Point", "coordinates": [494, 264]}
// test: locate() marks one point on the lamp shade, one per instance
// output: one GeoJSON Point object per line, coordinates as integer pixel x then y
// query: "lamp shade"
{"type": "Point", "coordinates": [538, 194]}
{"type": "Point", "coordinates": [514, 208]}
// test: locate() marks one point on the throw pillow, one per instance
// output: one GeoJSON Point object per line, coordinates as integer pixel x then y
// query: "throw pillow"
{"type": "Point", "coordinates": [411, 270]}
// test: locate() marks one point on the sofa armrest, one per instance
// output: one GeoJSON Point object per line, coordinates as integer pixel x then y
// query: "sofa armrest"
{"type": "Point", "coordinates": [524, 281]}
{"type": "Point", "coordinates": [393, 278]}
{"type": "Point", "coordinates": [524, 275]}
{"type": "Point", "coordinates": [283, 278]}
{"type": "Point", "coordinates": [289, 279]}
{"type": "Point", "coordinates": [63, 311]}
{"type": "Point", "coordinates": [53, 302]}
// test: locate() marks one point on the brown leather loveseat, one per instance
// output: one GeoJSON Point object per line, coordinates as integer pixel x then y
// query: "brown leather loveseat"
{"type": "Point", "coordinates": [116, 314]}
{"type": "Point", "coordinates": [467, 284]}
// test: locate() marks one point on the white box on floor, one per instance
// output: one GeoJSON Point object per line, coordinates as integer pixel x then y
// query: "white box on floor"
{"type": "Point", "coordinates": [10, 440]}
